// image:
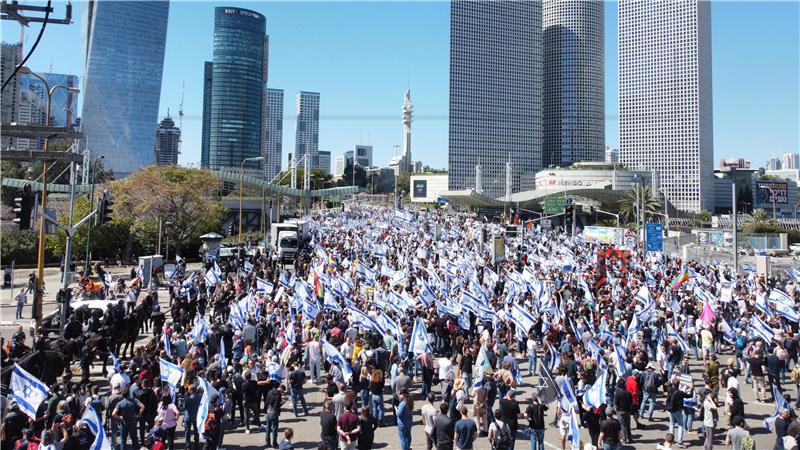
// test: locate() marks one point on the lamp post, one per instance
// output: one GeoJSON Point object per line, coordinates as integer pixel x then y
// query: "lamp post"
{"type": "Point", "coordinates": [241, 192]}
{"type": "Point", "coordinates": [87, 269]}
{"type": "Point", "coordinates": [774, 209]}
{"type": "Point", "coordinates": [39, 293]}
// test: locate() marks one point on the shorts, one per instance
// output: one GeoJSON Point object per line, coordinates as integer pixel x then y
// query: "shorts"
{"type": "Point", "coordinates": [563, 425]}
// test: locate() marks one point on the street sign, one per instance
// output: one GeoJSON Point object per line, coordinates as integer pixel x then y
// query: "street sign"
{"type": "Point", "coordinates": [499, 248]}
{"type": "Point", "coordinates": [546, 224]}
{"type": "Point", "coordinates": [654, 235]}
{"type": "Point", "coordinates": [554, 205]}
{"type": "Point", "coordinates": [569, 200]}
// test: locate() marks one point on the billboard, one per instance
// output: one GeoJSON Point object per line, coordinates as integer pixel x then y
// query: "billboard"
{"type": "Point", "coordinates": [765, 189]}
{"type": "Point", "coordinates": [714, 238]}
{"type": "Point", "coordinates": [604, 235]}
{"type": "Point", "coordinates": [420, 188]}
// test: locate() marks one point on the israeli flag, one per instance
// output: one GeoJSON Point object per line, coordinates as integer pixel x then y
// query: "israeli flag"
{"type": "Point", "coordinates": [335, 357]}
{"type": "Point", "coordinates": [574, 431]}
{"type": "Point", "coordinates": [172, 374]}
{"type": "Point", "coordinates": [223, 358]}
{"type": "Point", "coordinates": [780, 403]}
{"type": "Point", "coordinates": [619, 360]}
{"type": "Point", "coordinates": [568, 398]}
{"type": "Point", "coordinates": [205, 402]}
{"type": "Point", "coordinates": [727, 331]}
{"type": "Point", "coordinates": [522, 318]}
{"type": "Point", "coordinates": [555, 356]}
{"type": "Point", "coordinates": [426, 295]}
{"type": "Point", "coordinates": [674, 334]}
{"type": "Point", "coordinates": [167, 344]}
{"type": "Point", "coordinates": [276, 371]}
{"type": "Point", "coordinates": [288, 333]}
{"type": "Point", "coordinates": [419, 339]}
{"type": "Point", "coordinates": [248, 266]}
{"type": "Point", "coordinates": [200, 331]}
{"type": "Point", "coordinates": [108, 280]}
{"type": "Point", "coordinates": [761, 330]}
{"type": "Point", "coordinates": [27, 391]}
{"type": "Point", "coordinates": [778, 296]}
{"type": "Point", "coordinates": [211, 278]}
{"type": "Point", "coordinates": [595, 396]}
{"type": "Point", "coordinates": [761, 304]}
{"type": "Point", "coordinates": [264, 286]}
{"type": "Point", "coordinates": [794, 273]}
{"type": "Point", "coordinates": [787, 311]}
{"type": "Point", "coordinates": [330, 302]}
{"type": "Point", "coordinates": [310, 308]}
{"type": "Point", "coordinates": [92, 420]}
{"type": "Point", "coordinates": [115, 360]}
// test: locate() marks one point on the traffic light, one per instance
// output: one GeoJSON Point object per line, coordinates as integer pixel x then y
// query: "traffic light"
{"type": "Point", "coordinates": [23, 207]}
{"type": "Point", "coordinates": [231, 229]}
{"type": "Point", "coordinates": [568, 210]}
{"type": "Point", "coordinates": [104, 208]}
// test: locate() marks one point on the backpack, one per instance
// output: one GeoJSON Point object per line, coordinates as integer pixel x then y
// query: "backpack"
{"type": "Point", "coordinates": [748, 443]}
{"type": "Point", "coordinates": [502, 440]}
{"type": "Point", "coordinates": [650, 382]}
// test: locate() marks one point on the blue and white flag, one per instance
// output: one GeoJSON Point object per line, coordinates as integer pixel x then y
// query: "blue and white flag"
{"type": "Point", "coordinates": [92, 419]}
{"type": "Point", "coordinates": [762, 305]}
{"type": "Point", "coordinates": [568, 399]}
{"type": "Point", "coordinates": [335, 357]}
{"type": "Point", "coordinates": [674, 334]}
{"type": "Point", "coordinates": [794, 273]}
{"type": "Point", "coordinates": [595, 396]}
{"type": "Point", "coordinates": [205, 403]}
{"type": "Point", "coordinates": [761, 330]}
{"type": "Point", "coordinates": [211, 278]}
{"type": "Point", "coordinates": [619, 360]}
{"type": "Point", "coordinates": [223, 358]}
{"type": "Point", "coordinates": [115, 361]}
{"type": "Point", "coordinates": [264, 286]}
{"type": "Point", "coordinates": [727, 331]}
{"type": "Point", "coordinates": [171, 374]}
{"type": "Point", "coordinates": [248, 266]}
{"type": "Point", "coordinates": [780, 404]}
{"type": "Point", "coordinates": [27, 391]}
{"type": "Point", "coordinates": [330, 302]}
{"type": "Point", "coordinates": [284, 280]}
{"type": "Point", "coordinates": [523, 319]}
{"type": "Point", "coordinates": [419, 339]}
{"type": "Point", "coordinates": [787, 311]}
{"type": "Point", "coordinates": [778, 296]}
{"type": "Point", "coordinates": [108, 280]}
{"type": "Point", "coordinates": [167, 344]}
{"type": "Point", "coordinates": [555, 356]}
{"type": "Point", "coordinates": [574, 435]}
{"type": "Point", "coordinates": [199, 333]}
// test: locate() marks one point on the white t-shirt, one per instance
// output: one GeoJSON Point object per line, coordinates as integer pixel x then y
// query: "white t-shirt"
{"type": "Point", "coordinates": [531, 344]}
{"type": "Point", "coordinates": [445, 367]}
{"type": "Point", "coordinates": [732, 383]}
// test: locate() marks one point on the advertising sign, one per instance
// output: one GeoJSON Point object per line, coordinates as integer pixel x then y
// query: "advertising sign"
{"type": "Point", "coordinates": [655, 239]}
{"type": "Point", "coordinates": [714, 238]}
{"type": "Point", "coordinates": [604, 235]}
{"type": "Point", "coordinates": [765, 190]}
{"type": "Point", "coordinates": [499, 248]}
{"type": "Point", "coordinates": [420, 188]}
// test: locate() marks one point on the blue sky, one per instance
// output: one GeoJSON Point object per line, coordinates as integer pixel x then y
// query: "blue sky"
{"type": "Point", "coordinates": [361, 56]}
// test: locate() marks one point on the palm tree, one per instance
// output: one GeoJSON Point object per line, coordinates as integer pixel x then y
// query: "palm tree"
{"type": "Point", "coordinates": [627, 205]}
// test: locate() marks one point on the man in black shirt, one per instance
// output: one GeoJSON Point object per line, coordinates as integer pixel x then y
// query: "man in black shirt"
{"type": "Point", "coordinates": [327, 425]}
{"type": "Point", "coordinates": [443, 429]}
{"type": "Point", "coordinates": [510, 409]}
{"type": "Point", "coordinates": [274, 402]}
{"type": "Point", "coordinates": [297, 378]}
{"type": "Point", "coordinates": [757, 364]}
{"type": "Point", "coordinates": [610, 432]}
{"type": "Point", "coordinates": [252, 406]}
{"type": "Point", "coordinates": [675, 356]}
{"type": "Point", "coordinates": [535, 415]}
{"type": "Point", "coordinates": [623, 402]}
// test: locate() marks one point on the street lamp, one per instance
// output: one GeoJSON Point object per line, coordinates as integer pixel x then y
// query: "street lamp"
{"type": "Point", "coordinates": [772, 194]}
{"type": "Point", "coordinates": [241, 191]}
{"type": "Point", "coordinates": [39, 293]}
{"type": "Point", "coordinates": [87, 269]}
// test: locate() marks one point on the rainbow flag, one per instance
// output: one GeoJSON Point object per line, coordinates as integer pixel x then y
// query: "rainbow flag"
{"type": "Point", "coordinates": [318, 286]}
{"type": "Point", "coordinates": [681, 278]}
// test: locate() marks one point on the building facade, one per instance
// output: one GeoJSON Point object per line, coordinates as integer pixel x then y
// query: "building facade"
{"type": "Point", "coordinates": [790, 161]}
{"type": "Point", "coordinates": [574, 82]}
{"type": "Point", "coordinates": [427, 188]}
{"type": "Point", "coordinates": [274, 148]}
{"type": "Point", "coordinates": [774, 164]}
{"type": "Point", "coordinates": [168, 142]}
{"type": "Point", "coordinates": [238, 90]}
{"type": "Point", "coordinates": [122, 81]}
{"type": "Point", "coordinates": [495, 93]}
{"type": "Point", "coordinates": [590, 175]}
{"type": "Point", "coordinates": [739, 163]}
{"type": "Point", "coordinates": [10, 57]}
{"type": "Point", "coordinates": [205, 137]}
{"type": "Point", "coordinates": [611, 155]}
{"type": "Point", "coordinates": [665, 99]}
{"type": "Point", "coordinates": [64, 104]}
{"type": "Point", "coordinates": [306, 137]}
{"type": "Point", "coordinates": [324, 163]}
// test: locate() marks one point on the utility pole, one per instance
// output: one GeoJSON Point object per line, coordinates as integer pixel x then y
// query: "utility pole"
{"type": "Point", "coordinates": [735, 229]}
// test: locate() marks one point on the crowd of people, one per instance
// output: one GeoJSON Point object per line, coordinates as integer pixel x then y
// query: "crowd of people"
{"type": "Point", "coordinates": [402, 316]}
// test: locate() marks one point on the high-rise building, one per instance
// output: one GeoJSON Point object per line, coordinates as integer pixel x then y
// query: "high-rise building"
{"type": "Point", "coordinates": [10, 57]}
{"type": "Point", "coordinates": [339, 165]}
{"type": "Point", "coordinates": [574, 82]}
{"type": "Point", "coordinates": [122, 81]}
{"type": "Point", "coordinates": [274, 148]}
{"type": "Point", "coordinates": [306, 138]}
{"type": "Point", "coordinates": [237, 121]}
{"type": "Point", "coordinates": [495, 93]}
{"type": "Point", "coordinates": [64, 104]}
{"type": "Point", "coordinates": [665, 108]}
{"type": "Point", "coordinates": [611, 155]}
{"type": "Point", "coordinates": [774, 164]}
{"type": "Point", "coordinates": [205, 137]}
{"type": "Point", "coordinates": [168, 142]}
{"type": "Point", "coordinates": [324, 161]}
{"type": "Point", "coordinates": [32, 111]}
{"type": "Point", "coordinates": [790, 161]}
{"type": "Point", "coordinates": [739, 163]}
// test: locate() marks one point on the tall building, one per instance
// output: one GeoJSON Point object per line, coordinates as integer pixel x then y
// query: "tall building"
{"type": "Point", "coordinates": [339, 165]}
{"type": "Point", "coordinates": [324, 161]}
{"type": "Point", "coordinates": [10, 57]}
{"type": "Point", "coordinates": [406, 164]}
{"type": "Point", "coordinates": [205, 137]}
{"type": "Point", "coordinates": [790, 161]}
{"type": "Point", "coordinates": [237, 123]}
{"type": "Point", "coordinates": [774, 164]}
{"type": "Point", "coordinates": [64, 104]}
{"type": "Point", "coordinates": [665, 108]}
{"type": "Point", "coordinates": [32, 111]}
{"type": "Point", "coordinates": [274, 148]}
{"type": "Point", "coordinates": [574, 82]}
{"type": "Point", "coordinates": [168, 142]}
{"type": "Point", "coordinates": [122, 81]}
{"type": "Point", "coordinates": [739, 163]}
{"type": "Point", "coordinates": [611, 155]}
{"type": "Point", "coordinates": [306, 138]}
{"type": "Point", "coordinates": [495, 93]}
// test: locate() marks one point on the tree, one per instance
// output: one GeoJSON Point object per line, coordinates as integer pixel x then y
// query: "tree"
{"type": "Point", "coordinates": [347, 176]}
{"type": "Point", "coordinates": [760, 222]}
{"type": "Point", "coordinates": [184, 200]}
{"type": "Point", "coordinates": [627, 204]}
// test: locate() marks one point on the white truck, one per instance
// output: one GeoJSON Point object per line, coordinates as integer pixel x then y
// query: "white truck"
{"type": "Point", "coordinates": [287, 238]}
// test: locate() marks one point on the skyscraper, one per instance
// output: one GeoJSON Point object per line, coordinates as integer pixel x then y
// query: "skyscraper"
{"type": "Point", "coordinates": [495, 92]}
{"type": "Point", "coordinates": [168, 142]}
{"type": "Point", "coordinates": [666, 117]}
{"type": "Point", "coordinates": [64, 107]}
{"type": "Point", "coordinates": [574, 82]}
{"type": "Point", "coordinates": [306, 138]}
{"type": "Point", "coordinates": [122, 82]}
{"type": "Point", "coordinates": [790, 161]}
{"type": "Point", "coordinates": [774, 164]}
{"type": "Point", "coordinates": [205, 136]}
{"type": "Point", "coordinates": [274, 149]}
{"type": "Point", "coordinates": [238, 89]}
{"type": "Point", "coordinates": [324, 161]}
{"type": "Point", "coordinates": [10, 57]}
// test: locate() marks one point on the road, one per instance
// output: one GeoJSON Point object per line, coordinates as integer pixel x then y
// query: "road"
{"type": "Point", "coordinates": [307, 428]}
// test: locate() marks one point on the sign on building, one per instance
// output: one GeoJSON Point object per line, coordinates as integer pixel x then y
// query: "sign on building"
{"type": "Point", "coordinates": [654, 235]}
{"type": "Point", "coordinates": [765, 190]}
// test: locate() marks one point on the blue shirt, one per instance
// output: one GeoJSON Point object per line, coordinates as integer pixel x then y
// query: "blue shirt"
{"type": "Point", "coordinates": [405, 417]}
